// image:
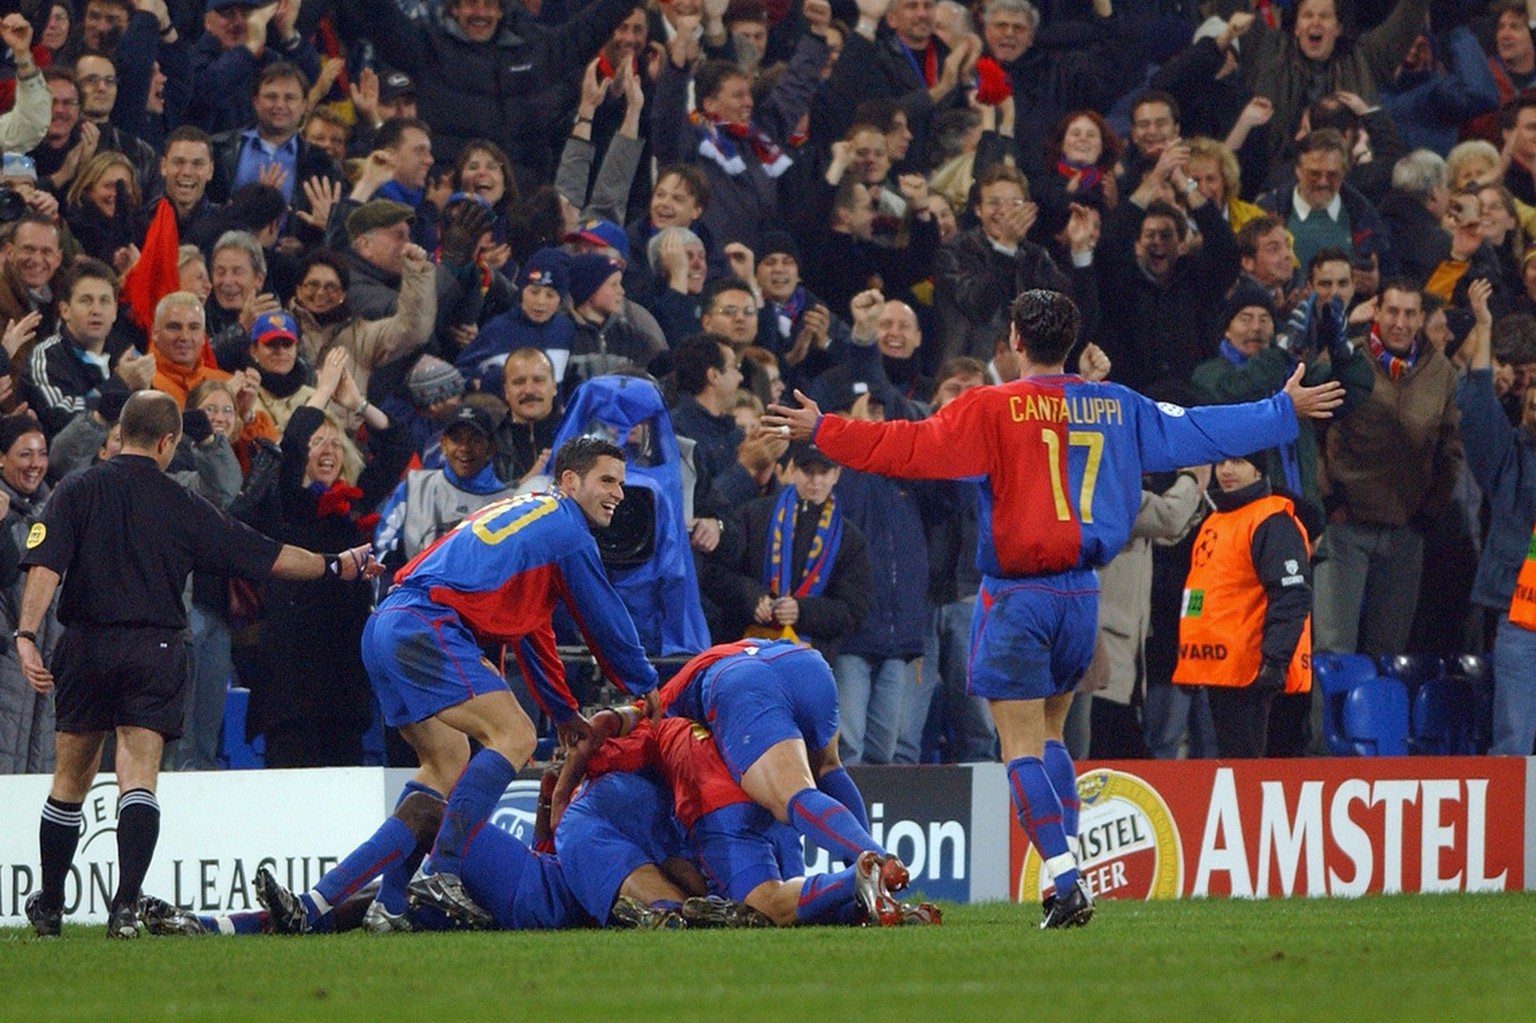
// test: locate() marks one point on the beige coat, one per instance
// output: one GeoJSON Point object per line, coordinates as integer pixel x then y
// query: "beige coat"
{"type": "Point", "coordinates": [1125, 590]}
{"type": "Point", "coordinates": [372, 343]}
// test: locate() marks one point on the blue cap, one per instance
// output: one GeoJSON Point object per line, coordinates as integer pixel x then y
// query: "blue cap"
{"type": "Point", "coordinates": [271, 326]}
{"type": "Point", "coordinates": [602, 232]}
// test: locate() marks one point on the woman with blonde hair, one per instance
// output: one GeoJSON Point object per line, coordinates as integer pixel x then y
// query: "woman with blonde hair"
{"type": "Point", "coordinates": [311, 698]}
{"type": "Point", "coordinates": [1213, 168]}
{"type": "Point", "coordinates": [104, 208]}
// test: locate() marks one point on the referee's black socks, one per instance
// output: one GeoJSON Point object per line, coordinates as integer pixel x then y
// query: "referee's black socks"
{"type": "Point", "coordinates": [138, 829]}
{"type": "Point", "coordinates": [57, 836]}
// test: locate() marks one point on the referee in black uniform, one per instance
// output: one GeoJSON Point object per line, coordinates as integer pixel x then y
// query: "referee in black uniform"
{"type": "Point", "coordinates": [123, 537]}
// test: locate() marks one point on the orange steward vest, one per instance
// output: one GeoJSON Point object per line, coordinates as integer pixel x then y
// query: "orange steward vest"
{"type": "Point", "coordinates": [1221, 623]}
{"type": "Point", "coordinates": [1522, 607]}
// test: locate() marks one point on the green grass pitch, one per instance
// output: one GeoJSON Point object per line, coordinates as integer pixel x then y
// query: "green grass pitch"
{"type": "Point", "coordinates": [1442, 957]}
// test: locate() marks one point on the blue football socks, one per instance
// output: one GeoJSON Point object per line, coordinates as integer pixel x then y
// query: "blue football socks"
{"type": "Point", "coordinates": [830, 824]}
{"type": "Point", "coordinates": [1063, 774]}
{"type": "Point", "coordinates": [828, 898]}
{"type": "Point", "coordinates": [1039, 812]}
{"type": "Point", "coordinates": [840, 787]}
{"type": "Point", "coordinates": [469, 804]}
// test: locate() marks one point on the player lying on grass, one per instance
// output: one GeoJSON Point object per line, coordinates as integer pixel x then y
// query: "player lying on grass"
{"type": "Point", "coordinates": [622, 863]}
{"type": "Point", "coordinates": [745, 854]}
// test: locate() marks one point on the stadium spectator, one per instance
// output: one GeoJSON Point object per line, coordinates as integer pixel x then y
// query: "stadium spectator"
{"type": "Point", "coordinates": [604, 339]}
{"type": "Point", "coordinates": [179, 338]}
{"type": "Point", "coordinates": [1322, 210]}
{"type": "Point", "coordinates": [187, 168]}
{"type": "Point", "coordinates": [949, 525]}
{"type": "Point", "coordinates": [379, 232]}
{"type": "Point", "coordinates": [1264, 253]}
{"type": "Point", "coordinates": [459, 58]}
{"type": "Point", "coordinates": [239, 44]}
{"type": "Point", "coordinates": [310, 698]}
{"type": "Point", "coordinates": [1125, 621]}
{"type": "Point", "coordinates": [325, 316]}
{"type": "Point", "coordinates": [270, 151]}
{"type": "Point", "coordinates": [979, 269]}
{"type": "Point", "coordinates": [1154, 291]}
{"type": "Point", "coordinates": [1214, 169]}
{"type": "Point", "coordinates": [769, 577]}
{"type": "Point", "coordinates": [97, 77]}
{"type": "Point", "coordinates": [1389, 470]}
{"type": "Point", "coordinates": [430, 502]}
{"type": "Point", "coordinates": [65, 372]}
{"type": "Point", "coordinates": [30, 263]}
{"type": "Point", "coordinates": [539, 320]}
{"type": "Point", "coordinates": [793, 324]}
{"type": "Point", "coordinates": [104, 208]}
{"type": "Point", "coordinates": [524, 437]}
{"type": "Point", "coordinates": [738, 145]}
{"type": "Point", "coordinates": [1440, 84]}
{"type": "Point", "coordinates": [1501, 457]}
{"type": "Point", "coordinates": [1415, 211]}
{"type": "Point", "coordinates": [1251, 367]}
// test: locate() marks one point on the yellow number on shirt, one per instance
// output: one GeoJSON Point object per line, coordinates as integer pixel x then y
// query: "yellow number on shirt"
{"type": "Point", "coordinates": [1094, 442]}
{"type": "Point", "coordinates": [523, 509]}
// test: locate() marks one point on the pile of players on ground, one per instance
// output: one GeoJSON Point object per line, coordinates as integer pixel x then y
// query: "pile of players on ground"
{"type": "Point", "coordinates": [641, 826]}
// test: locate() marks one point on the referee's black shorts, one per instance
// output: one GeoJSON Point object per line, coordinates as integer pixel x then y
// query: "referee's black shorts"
{"type": "Point", "coordinates": [111, 676]}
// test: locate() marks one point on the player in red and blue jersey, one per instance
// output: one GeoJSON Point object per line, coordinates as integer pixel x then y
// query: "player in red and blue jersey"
{"type": "Point", "coordinates": [494, 580]}
{"type": "Point", "coordinates": [772, 710]}
{"type": "Point", "coordinates": [745, 854]}
{"type": "Point", "coordinates": [1060, 462]}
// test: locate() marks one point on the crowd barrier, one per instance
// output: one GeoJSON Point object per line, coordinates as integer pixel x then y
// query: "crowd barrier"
{"type": "Point", "coordinates": [1149, 829]}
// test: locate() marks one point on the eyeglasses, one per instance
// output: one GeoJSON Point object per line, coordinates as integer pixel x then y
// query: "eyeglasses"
{"type": "Point", "coordinates": [97, 80]}
{"type": "Point", "coordinates": [330, 287]}
{"type": "Point", "coordinates": [219, 410]}
{"type": "Point", "coordinates": [735, 310]}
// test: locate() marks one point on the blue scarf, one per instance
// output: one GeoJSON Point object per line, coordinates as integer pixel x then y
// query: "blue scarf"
{"type": "Point", "coordinates": [781, 544]}
{"type": "Point", "coordinates": [789, 311]}
{"type": "Point", "coordinates": [1231, 354]}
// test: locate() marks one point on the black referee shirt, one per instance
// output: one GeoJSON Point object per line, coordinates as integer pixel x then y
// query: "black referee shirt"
{"type": "Point", "coordinates": [125, 536]}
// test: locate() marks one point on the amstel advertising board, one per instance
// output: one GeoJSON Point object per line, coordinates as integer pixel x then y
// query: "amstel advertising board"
{"type": "Point", "coordinates": [1270, 828]}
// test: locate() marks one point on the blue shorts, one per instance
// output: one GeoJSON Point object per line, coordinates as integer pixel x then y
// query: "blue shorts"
{"type": "Point", "coordinates": [1033, 638]}
{"type": "Point", "coordinates": [616, 823]}
{"type": "Point", "coordinates": [421, 659]}
{"type": "Point", "coordinates": [736, 850]}
{"type": "Point", "coordinates": [522, 889]}
{"type": "Point", "coordinates": [754, 702]}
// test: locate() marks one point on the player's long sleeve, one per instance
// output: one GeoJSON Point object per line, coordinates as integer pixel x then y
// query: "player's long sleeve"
{"type": "Point", "coordinates": [1170, 437]}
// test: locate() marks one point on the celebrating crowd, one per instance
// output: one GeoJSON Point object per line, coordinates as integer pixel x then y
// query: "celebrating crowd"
{"type": "Point", "coordinates": [374, 250]}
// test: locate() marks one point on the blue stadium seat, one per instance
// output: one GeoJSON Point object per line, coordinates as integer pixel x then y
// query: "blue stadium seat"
{"type": "Point", "coordinates": [1336, 675]}
{"type": "Point", "coordinates": [1477, 673]}
{"type": "Point", "coordinates": [1375, 719]}
{"type": "Point", "coordinates": [234, 752]}
{"type": "Point", "coordinates": [1443, 719]}
{"type": "Point", "coordinates": [1413, 670]}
